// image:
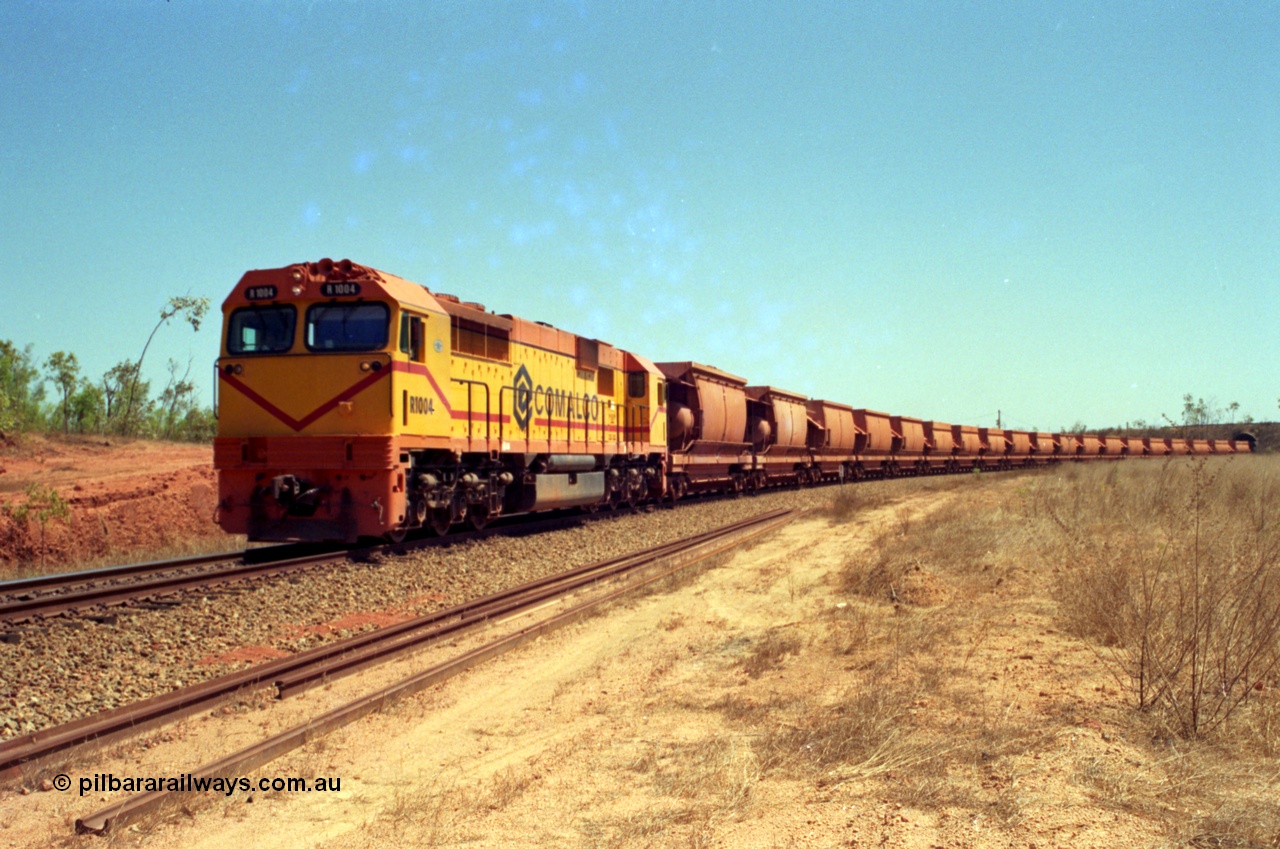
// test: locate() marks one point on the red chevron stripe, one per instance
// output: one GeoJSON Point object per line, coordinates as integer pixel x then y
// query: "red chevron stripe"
{"type": "Point", "coordinates": [298, 424]}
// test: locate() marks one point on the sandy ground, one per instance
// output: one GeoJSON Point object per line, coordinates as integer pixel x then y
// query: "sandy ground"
{"type": "Point", "coordinates": [700, 715]}
{"type": "Point", "coordinates": [123, 499]}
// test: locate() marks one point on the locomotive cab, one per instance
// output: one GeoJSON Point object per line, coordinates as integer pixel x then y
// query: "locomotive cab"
{"type": "Point", "coordinates": [323, 366]}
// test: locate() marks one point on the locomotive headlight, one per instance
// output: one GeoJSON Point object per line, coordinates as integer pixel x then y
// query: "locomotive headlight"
{"type": "Point", "coordinates": [297, 275]}
{"type": "Point", "coordinates": [365, 366]}
{"type": "Point", "coordinates": [297, 290]}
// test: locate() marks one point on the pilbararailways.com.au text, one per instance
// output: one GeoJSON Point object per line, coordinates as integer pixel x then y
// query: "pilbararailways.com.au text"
{"type": "Point", "coordinates": [188, 783]}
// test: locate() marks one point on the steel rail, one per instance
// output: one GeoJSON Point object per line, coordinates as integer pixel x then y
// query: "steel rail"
{"type": "Point", "coordinates": [62, 579]}
{"type": "Point", "coordinates": [103, 595]}
{"type": "Point", "coordinates": [79, 591]}
{"type": "Point", "coordinates": [291, 674]}
{"type": "Point", "coordinates": [267, 750]}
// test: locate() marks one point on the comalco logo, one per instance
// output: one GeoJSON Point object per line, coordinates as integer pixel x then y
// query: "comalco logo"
{"type": "Point", "coordinates": [523, 397]}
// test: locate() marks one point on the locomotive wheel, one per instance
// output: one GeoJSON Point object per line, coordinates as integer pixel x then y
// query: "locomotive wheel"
{"type": "Point", "coordinates": [397, 536]}
{"type": "Point", "coordinates": [440, 521]}
{"type": "Point", "coordinates": [478, 517]}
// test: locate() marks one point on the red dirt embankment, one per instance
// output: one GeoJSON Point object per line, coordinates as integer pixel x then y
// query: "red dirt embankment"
{"type": "Point", "coordinates": [122, 499]}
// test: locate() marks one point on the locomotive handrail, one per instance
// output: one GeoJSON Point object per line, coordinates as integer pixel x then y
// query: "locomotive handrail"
{"type": "Point", "coordinates": [546, 398]}
{"type": "Point", "coordinates": [639, 413]}
{"type": "Point", "coordinates": [488, 433]}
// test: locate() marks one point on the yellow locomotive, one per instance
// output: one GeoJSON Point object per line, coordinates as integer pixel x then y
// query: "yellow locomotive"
{"type": "Point", "coordinates": [352, 403]}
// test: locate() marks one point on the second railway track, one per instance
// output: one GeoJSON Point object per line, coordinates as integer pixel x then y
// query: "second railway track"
{"type": "Point", "coordinates": [43, 596]}
{"type": "Point", "coordinates": [296, 673]}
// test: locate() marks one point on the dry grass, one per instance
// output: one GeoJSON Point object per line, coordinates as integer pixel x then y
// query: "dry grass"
{"type": "Point", "coordinates": [1172, 572]}
{"type": "Point", "coordinates": [866, 732]}
{"type": "Point", "coordinates": [1174, 569]}
{"type": "Point", "coordinates": [769, 652]}
{"type": "Point", "coordinates": [213, 544]}
{"type": "Point", "coordinates": [447, 811]}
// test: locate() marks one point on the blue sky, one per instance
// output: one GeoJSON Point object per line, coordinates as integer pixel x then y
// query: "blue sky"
{"type": "Point", "coordinates": [1067, 212]}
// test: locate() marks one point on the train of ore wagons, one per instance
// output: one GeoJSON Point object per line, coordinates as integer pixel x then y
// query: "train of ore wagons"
{"type": "Point", "coordinates": [352, 403]}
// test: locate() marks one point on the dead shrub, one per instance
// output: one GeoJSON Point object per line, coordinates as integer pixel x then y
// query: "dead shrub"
{"type": "Point", "coordinates": [1179, 583]}
{"type": "Point", "coordinates": [957, 539]}
{"type": "Point", "coordinates": [721, 772]}
{"type": "Point", "coordinates": [769, 653]}
{"type": "Point", "coordinates": [866, 732]}
{"type": "Point", "coordinates": [845, 504]}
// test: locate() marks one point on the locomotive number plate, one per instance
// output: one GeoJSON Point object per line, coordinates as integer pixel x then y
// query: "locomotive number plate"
{"type": "Point", "coordinates": [337, 290]}
{"type": "Point", "coordinates": [260, 293]}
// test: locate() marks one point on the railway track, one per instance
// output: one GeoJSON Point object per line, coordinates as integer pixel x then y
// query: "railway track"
{"type": "Point", "coordinates": [294, 674]}
{"type": "Point", "coordinates": [77, 592]}
{"type": "Point", "coordinates": [43, 596]}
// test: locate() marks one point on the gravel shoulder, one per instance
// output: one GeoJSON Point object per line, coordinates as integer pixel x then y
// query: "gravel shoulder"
{"type": "Point", "coordinates": [69, 668]}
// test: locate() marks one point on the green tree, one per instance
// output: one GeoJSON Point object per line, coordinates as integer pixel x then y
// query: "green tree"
{"type": "Point", "coordinates": [177, 399]}
{"type": "Point", "coordinates": [43, 503]}
{"type": "Point", "coordinates": [64, 371]}
{"type": "Point", "coordinates": [117, 383]}
{"type": "Point", "coordinates": [193, 310]}
{"type": "Point", "coordinates": [20, 389]}
{"type": "Point", "coordinates": [87, 408]}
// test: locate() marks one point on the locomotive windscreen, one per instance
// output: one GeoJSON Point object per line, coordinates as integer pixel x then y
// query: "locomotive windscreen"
{"type": "Point", "coordinates": [261, 330]}
{"type": "Point", "coordinates": [347, 327]}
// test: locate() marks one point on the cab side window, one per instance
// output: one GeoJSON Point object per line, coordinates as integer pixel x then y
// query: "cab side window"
{"type": "Point", "coordinates": [411, 337]}
{"type": "Point", "coordinates": [637, 384]}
